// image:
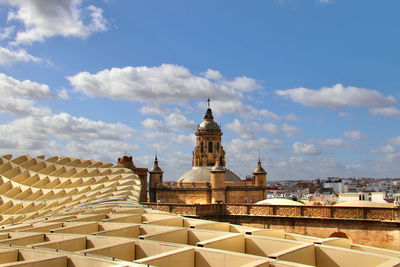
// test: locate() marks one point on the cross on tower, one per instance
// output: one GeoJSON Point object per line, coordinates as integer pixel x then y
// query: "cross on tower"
{"type": "Point", "coordinates": [208, 100]}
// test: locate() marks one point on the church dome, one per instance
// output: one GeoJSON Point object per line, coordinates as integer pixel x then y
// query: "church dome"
{"type": "Point", "coordinates": [156, 168]}
{"type": "Point", "coordinates": [259, 168]}
{"type": "Point", "coordinates": [279, 201]}
{"type": "Point", "coordinates": [202, 174]}
{"type": "Point", "coordinates": [208, 124]}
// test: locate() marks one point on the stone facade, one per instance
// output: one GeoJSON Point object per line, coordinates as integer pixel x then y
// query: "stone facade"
{"type": "Point", "coordinates": [198, 194]}
{"type": "Point", "coordinates": [246, 194]}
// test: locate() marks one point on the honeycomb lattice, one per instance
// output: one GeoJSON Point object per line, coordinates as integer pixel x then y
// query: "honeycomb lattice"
{"type": "Point", "coordinates": [32, 187]}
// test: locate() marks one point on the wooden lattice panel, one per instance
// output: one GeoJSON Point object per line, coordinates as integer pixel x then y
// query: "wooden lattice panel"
{"type": "Point", "coordinates": [32, 187]}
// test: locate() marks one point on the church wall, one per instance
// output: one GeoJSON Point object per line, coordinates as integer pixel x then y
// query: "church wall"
{"type": "Point", "coordinates": [183, 196]}
{"type": "Point", "coordinates": [244, 196]}
{"type": "Point", "coordinates": [190, 195]}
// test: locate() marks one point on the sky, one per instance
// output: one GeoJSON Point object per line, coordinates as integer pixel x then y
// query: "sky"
{"type": "Point", "coordinates": [309, 86]}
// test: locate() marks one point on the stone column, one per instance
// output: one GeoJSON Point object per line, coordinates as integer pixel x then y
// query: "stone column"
{"type": "Point", "coordinates": [156, 180]}
{"type": "Point", "coordinates": [260, 175]}
{"type": "Point", "coordinates": [218, 186]}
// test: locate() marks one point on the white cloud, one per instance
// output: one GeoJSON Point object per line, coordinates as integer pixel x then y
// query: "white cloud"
{"type": "Point", "coordinates": [189, 140]}
{"type": "Point", "coordinates": [335, 142]}
{"type": "Point", "coordinates": [6, 32]}
{"type": "Point", "coordinates": [290, 117]}
{"type": "Point", "coordinates": [169, 138]}
{"type": "Point", "coordinates": [8, 144]}
{"type": "Point", "coordinates": [285, 128]}
{"type": "Point", "coordinates": [165, 83]}
{"type": "Point", "coordinates": [355, 134]}
{"type": "Point", "coordinates": [160, 84]}
{"type": "Point", "coordinates": [297, 160]}
{"type": "Point", "coordinates": [240, 129]}
{"type": "Point", "coordinates": [154, 124]}
{"type": "Point", "coordinates": [9, 57]}
{"type": "Point", "coordinates": [16, 96]}
{"type": "Point", "coordinates": [236, 106]}
{"type": "Point", "coordinates": [177, 120]}
{"type": "Point", "coordinates": [169, 83]}
{"type": "Point", "coordinates": [271, 128]}
{"type": "Point", "coordinates": [244, 84]}
{"type": "Point", "coordinates": [384, 149]}
{"type": "Point", "coordinates": [47, 18]}
{"type": "Point", "coordinates": [108, 150]}
{"type": "Point", "coordinates": [63, 126]}
{"type": "Point", "coordinates": [58, 134]}
{"type": "Point", "coordinates": [22, 107]}
{"type": "Point", "coordinates": [326, 1]}
{"type": "Point", "coordinates": [213, 74]}
{"type": "Point", "coordinates": [394, 141]}
{"type": "Point", "coordinates": [389, 162]}
{"type": "Point", "coordinates": [245, 145]}
{"type": "Point", "coordinates": [386, 111]}
{"type": "Point", "coordinates": [173, 162]}
{"type": "Point", "coordinates": [246, 131]}
{"type": "Point", "coordinates": [337, 97]}
{"type": "Point", "coordinates": [63, 94]}
{"type": "Point", "coordinates": [308, 149]}
{"type": "Point", "coordinates": [155, 110]}
{"type": "Point", "coordinates": [173, 119]}
{"type": "Point", "coordinates": [289, 130]}
{"type": "Point", "coordinates": [13, 87]}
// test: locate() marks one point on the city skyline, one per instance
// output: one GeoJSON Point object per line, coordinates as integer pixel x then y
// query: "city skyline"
{"type": "Point", "coordinates": [310, 86]}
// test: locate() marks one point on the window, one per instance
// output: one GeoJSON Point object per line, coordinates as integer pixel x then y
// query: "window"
{"type": "Point", "coordinates": [210, 147]}
{"type": "Point", "coordinates": [217, 146]}
{"type": "Point", "coordinates": [202, 147]}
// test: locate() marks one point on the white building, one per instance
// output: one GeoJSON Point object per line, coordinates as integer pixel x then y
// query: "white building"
{"type": "Point", "coordinates": [334, 183]}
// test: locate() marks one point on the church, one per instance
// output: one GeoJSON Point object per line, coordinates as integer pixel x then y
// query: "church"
{"type": "Point", "coordinates": [209, 181]}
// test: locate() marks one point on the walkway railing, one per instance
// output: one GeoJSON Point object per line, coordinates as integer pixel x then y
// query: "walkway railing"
{"type": "Point", "coordinates": [328, 212]}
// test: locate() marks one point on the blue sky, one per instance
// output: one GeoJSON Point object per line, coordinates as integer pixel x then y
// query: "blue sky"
{"type": "Point", "coordinates": [311, 86]}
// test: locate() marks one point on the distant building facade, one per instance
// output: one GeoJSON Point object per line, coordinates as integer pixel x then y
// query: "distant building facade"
{"type": "Point", "coordinates": [335, 184]}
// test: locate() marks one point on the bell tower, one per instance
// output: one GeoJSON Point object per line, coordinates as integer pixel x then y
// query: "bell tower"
{"type": "Point", "coordinates": [208, 142]}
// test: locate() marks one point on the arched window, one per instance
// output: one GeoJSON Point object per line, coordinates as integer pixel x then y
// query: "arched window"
{"type": "Point", "coordinates": [202, 147]}
{"type": "Point", "coordinates": [217, 146]}
{"type": "Point", "coordinates": [210, 147]}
